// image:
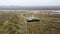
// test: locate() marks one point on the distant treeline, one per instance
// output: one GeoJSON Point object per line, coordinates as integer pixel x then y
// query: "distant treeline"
{"type": "Point", "coordinates": [30, 8]}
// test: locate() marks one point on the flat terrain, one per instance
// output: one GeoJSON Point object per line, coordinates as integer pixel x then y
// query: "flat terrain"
{"type": "Point", "coordinates": [16, 23]}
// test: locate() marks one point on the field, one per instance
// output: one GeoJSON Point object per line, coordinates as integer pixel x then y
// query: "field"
{"type": "Point", "coordinates": [12, 22]}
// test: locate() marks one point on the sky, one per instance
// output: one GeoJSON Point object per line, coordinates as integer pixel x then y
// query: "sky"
{"type": "Point", "coordinates": [29, 2]}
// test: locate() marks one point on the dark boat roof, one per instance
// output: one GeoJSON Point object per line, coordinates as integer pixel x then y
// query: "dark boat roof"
{"type": "Point", "coordinates": [33, 20]}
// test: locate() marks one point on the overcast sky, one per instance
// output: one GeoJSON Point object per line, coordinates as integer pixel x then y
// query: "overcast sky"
{"type": "Point", "coordinates": [29, 2]}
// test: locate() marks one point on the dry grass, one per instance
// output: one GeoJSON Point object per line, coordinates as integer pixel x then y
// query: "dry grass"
{"type": "Point", "coordinates": [13, 23]}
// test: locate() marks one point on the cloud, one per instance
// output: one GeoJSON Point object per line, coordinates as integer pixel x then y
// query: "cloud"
{"type": "Point", "coordinates": [29, 2]}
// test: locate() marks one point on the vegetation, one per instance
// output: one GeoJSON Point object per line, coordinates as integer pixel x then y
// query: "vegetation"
{"type": "Point", "coordinates": [13, 23]}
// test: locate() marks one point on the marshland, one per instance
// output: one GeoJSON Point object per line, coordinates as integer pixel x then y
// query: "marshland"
{"type": "Point", "coordinates": [15, 22]}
